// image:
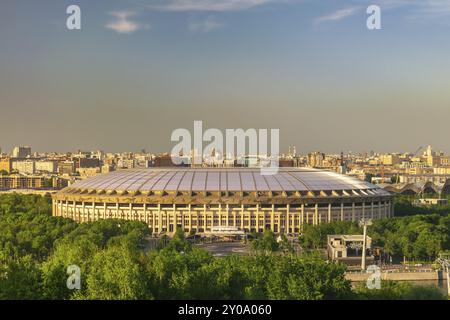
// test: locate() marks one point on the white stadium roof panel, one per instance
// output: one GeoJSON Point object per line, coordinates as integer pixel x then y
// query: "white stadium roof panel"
{"type": "Point", "coordinates": [224, 179]}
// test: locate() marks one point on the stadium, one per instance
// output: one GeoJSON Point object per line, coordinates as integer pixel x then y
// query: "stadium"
{"type": "Point", "coordinates": [209, 199]}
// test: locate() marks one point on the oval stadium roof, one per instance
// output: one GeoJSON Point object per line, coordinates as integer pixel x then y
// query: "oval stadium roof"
{"type": "Point", "coordinates": [180, 179]}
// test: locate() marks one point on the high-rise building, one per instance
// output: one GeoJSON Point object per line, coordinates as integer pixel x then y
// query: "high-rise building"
{"type": "Point", "coordinates": [315, 159]}
{"type": "Point", "coordinates": [21, 152]}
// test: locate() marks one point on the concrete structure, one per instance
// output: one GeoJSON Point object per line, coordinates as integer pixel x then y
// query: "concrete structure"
{"type": "Point", "coordinates": [431, 202]}
{"type": "Point", "coordinates": [397, 275]}
{"type": "Point", "coordinates": [347, 249]}
{"type": "Point", "coordinates": [202, 199]}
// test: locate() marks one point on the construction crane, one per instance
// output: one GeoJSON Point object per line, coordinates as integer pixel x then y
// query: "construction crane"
{"type": "Point", "coordinates": [417, 151]}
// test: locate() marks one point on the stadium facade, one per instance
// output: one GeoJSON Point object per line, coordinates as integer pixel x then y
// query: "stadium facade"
{"type": "Point", "coordinates": [205, 199]}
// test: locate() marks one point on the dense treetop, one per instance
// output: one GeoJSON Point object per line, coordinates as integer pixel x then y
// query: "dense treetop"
{"type": "Point", "coordinates": [36, 249]}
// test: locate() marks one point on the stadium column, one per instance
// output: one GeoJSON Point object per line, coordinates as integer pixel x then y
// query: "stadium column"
{"type": "Point", "coordinates": [342, 211]}
{"type": "Point", "coordinates": [316, 214]}
{"type": "Point", "coordinates": [392, 212]}
{"type": "Point", "coordinates": [371, 210]}
{"type": "Point", "coordinates": [302, 219]}
{"type": "Point", "coordinates": [67, 208]}
{"type": "Point", "coordinates": [159, 218]}
{"type": "Point", "coordinates": [205, 224]}
{"type": "Point", "coordinates": [130, 212]}
{"type": "Point", "coordinates": [220, 215]}
{"type": "Point", "coordinates": [286, 220]}
{"type": "Point", "coordinates": [272, 217]}
{"type": "Point", "coordinates": [54, 207]}
{"type": "Point", "coordinates": [93, 211]}
{"type": "Point", "coordinates": [57, 207]}
{"type": "Point", "coordinates": [190, 217]}
{"type": "Point", "coordinates": [227, 217]}
{"type": "Point", "coordinates": [242, 217]}
{"type": "Point", "coordinates": [379, 210]}
{"type": "Point", "coordinates": [257, 218]}
{"type": "Point", "coordinates": [353, 212]}
{"type": "Point", "coordinates": [84, 211]}
{"type": "Point", "coordinates": [74, 213]}
{"type": "Point", "coordinates": [329, 212]}
{"type": "Point", "coordinates": [288, 214]}
{"type": "Point", "coordinates": [183, 223]}
{"type": "Point", "coordinates": [174, 218]}
{"type": "Point", "coordinates": [153, 220]}
{"type": "Point", "coordinates": [145, 214]}
{"type": "Point", "coordinates": [364, 210]}
{"type": "Point", "coordinates": [167, 216]}
{"type": "Point", "coordinates": [385, 210]}
{"type": "Point", "coordinates": [104, 210]}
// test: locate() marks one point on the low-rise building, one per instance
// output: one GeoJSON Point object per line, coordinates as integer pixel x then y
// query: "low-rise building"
{"type": "Point", "coordinates": [347, 249]}
{"type": "Point", "coordinates": [21, 182]}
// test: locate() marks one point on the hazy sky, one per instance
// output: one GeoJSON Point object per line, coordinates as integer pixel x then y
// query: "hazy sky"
{"type": "Point", "coordinates": [139, 69]}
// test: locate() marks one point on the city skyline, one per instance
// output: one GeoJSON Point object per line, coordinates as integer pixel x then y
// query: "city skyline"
{"type": "Point", "coordinates": [137, 70]}
{"type": "Point", "coordinates": [290, 150]}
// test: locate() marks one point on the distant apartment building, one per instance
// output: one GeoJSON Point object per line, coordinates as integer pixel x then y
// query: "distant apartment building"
{"type": "Point", "coordinates": [126, 163]}
{"type": "Point", "coordinates": [6, 165]}
{"type": "Point", "coordinates": [316, 159]}
{"type": "Point", "coordinates": [106, 168]}
{"type": "Point", "coordinates": [24, 167]}
{"type": "Point", "coordinates": [49, 166]}
{"type": "Point", "coordinates": [389, 159]}
{"type": "Point", "coordinates": [163, 161]}
{"type": "Point", "coordinates": [445, 161]}
{"type": "Point", "coordinates": [21, 182]}
{"type": "Point", "coordinates": [59, 183]}
{"type": "Point", "coordinates": [21, 152]}
{"type": "Point", "coordinates": [86, 163]}
{"type": "Point", "coordinates": [442, 170]}
{"type": "Point", "coordinates": [88, 172]}
{"type": "Point", "coordinates": [66, 168]}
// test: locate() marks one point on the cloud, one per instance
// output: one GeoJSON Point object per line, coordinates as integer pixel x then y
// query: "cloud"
{"type": "Point", "coordinates": [208, 5]}
{"type": "Point", "coordinates": [417, 8]}
{"type": "Point", "coordinates": [205, 25]}
{"type": "Point", "coordinates": [123, 24]}
{"type": "Point", "coordinates": [338, 15]}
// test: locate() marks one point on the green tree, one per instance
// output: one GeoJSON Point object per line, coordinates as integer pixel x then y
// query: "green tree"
{"type": "Point", "coordinates": [19, 279]}
{"type": "Point", "coordinates": [116, 273]}
{"type": "Point", "coordinates": [395, 290]}
{"type": "Point", "coordinates": [266, 242]}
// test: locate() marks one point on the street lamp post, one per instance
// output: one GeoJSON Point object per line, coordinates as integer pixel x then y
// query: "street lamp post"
{"type": "Point", "coordinates": [364, 223]}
